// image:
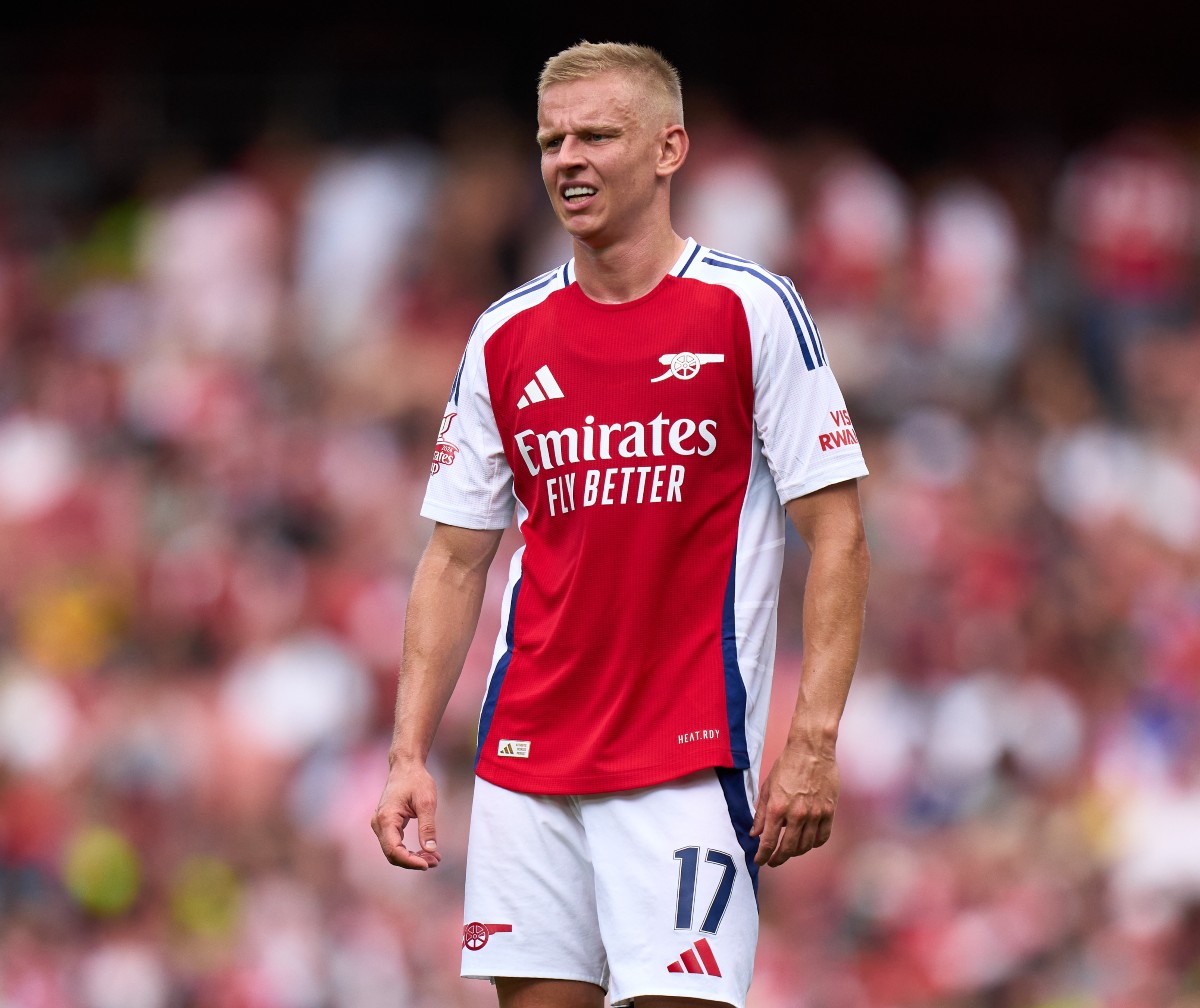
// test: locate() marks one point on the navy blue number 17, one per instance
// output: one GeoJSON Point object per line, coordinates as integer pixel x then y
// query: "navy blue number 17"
{"type": "Point", "coordinates": [689, 869]}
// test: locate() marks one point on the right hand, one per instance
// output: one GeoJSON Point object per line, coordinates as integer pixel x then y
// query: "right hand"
{"type": "Point", "coordinates": [409, 793]}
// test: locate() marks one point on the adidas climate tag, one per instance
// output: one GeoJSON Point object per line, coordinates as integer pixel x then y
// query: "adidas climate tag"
{"type": "Point", "coordinates": [513, 747]}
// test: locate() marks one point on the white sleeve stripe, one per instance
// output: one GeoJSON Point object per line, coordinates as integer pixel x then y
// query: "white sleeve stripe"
{"type": "Point", "coordinates": [529, 288]}
{"type": "Point", "coordinates": [695, 252]}
{"type": "Point", "coordinates": [781, 290]}
{"type": "Point", "coordinates": [816, 333]}
{"type": "Point", "coordinates": [810, 327]}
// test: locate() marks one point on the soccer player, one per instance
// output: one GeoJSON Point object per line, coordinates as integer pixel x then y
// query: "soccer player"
{"type": "Point", "coordinates": [650, 411]}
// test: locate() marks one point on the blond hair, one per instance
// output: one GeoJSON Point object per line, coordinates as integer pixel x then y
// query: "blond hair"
{"type": "Point", "coordinates": [590, 59]}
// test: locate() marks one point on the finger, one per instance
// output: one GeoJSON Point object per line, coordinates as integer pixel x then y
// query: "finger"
{"type": "Point", "coordinates": [760, 816]}
{"type": "Point", "coordinates": [804, 832]}
{"type": "Point", "coordinates": [389, 827]}
{"type": "Point", "coordinates": [402, 857]}
{"type": "Point", "coordinates": [391, 842]}
{"type": "Point", "coordinates": [824, 830]}
{"type": "Point", "coordinates": [788, 846]}
{"type": "Point", "coordinates": [811, 832]}
{"type": "Point", "coordinates": [427, 830]}
{"type": "Point", "coordinates": [767, 843]}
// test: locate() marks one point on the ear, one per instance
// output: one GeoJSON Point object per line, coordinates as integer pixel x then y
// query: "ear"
{"type": "Point", "coordinates": [672, 151]}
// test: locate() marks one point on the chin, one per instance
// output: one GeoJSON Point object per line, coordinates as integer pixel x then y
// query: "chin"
{"type": "Point", "coordinates": [581, 234]}
{"type": "Point", "coordinates": [583, 226]}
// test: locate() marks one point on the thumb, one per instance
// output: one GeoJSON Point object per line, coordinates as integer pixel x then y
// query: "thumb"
{"type": "Point", "coordinates": [760, 816]}
{"type": "Point", "coordinates": [426, 827]}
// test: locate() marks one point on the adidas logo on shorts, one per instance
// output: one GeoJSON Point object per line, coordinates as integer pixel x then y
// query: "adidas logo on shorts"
{"type": "Point", "coordinates": [698, 959]}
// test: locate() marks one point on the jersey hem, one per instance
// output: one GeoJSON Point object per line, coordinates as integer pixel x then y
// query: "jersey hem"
{"type": "Point", "coordinates": [605, 783]}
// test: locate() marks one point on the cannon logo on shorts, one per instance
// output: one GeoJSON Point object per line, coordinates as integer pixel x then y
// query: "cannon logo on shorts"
{"type": "Point", "coordinates": [476, 935]}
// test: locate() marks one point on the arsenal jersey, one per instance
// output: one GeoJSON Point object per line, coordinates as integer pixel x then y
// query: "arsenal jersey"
{"type": "Point", "coordinates": [646, 450]}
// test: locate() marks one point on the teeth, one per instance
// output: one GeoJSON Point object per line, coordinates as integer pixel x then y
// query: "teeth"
{"type": "Point", "coordinates": [579, 191]}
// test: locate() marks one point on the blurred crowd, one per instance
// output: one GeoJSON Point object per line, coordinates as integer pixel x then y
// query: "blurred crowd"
{"type": "Point", "coordinates": [220, 385]}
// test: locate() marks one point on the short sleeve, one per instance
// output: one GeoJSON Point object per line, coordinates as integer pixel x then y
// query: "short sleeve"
{"type": "Point", "coordinates": [800, 414]}
{"type": "Point", "coordinates": [470, 483]}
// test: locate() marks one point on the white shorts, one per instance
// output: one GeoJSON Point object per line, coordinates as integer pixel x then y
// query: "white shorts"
{"type": "Point", "coordinates": [639, 892]}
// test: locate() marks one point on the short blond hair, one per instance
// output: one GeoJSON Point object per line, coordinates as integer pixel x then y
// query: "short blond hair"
{"type": "Point", "coordinates": [590, 59]}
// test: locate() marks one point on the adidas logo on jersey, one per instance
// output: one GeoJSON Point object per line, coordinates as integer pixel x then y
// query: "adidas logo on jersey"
{"type": "Point", "coordinates": [698, 959]}
{"type": "Point", "coordinates": [513, 747]}
{"type": "Point", "coordinates": [547, 389]}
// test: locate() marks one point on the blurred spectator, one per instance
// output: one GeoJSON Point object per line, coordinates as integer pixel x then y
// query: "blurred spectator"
{"type": "Point", "coordinates": [212, 259]}
{"type": "Point", "coordinates": [849, 256]}
{"type": "Point", "coordinates": [732, 193]}
{"type": "Point", "coordinates": [966, 303]}
{"type": "Point", "coordinates": [1129, 209]}
{"type": "Point", "coordinates": [362, 221]}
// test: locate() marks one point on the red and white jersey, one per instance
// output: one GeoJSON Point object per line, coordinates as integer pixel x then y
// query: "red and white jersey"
{"type": "Point", "coordinates": [647, 449]}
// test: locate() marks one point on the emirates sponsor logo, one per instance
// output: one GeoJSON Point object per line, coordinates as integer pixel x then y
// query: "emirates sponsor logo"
{"type": "Point", "coordinates": [633, 439]}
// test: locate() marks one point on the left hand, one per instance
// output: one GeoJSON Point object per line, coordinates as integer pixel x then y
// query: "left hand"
{"type": "Point", "coordinates": [796, 802]}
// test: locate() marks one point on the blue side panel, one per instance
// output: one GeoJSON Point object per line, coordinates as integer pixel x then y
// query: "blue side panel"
{"type": "Point", "coordinates": [733, 784]}
{"type": "Point", "coordinates": [497, 679]}
{"type": "Point", "coordinates": [735, 688]}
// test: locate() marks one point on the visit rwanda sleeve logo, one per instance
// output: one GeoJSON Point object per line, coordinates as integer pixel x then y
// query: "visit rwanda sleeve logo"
{"type": "Point", "coordinates": [445, 450]}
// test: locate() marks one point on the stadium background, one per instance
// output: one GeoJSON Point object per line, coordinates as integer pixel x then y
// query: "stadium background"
{"type": "Point", "coordinates": [240, 249]}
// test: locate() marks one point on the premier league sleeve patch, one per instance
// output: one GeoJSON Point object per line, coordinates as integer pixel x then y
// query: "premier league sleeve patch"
{"type": "Point", "coordinates": [445, 450]}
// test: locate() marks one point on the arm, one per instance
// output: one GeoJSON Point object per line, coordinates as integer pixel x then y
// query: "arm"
{"type": "Point", "coordinates": [796, 801]}
{"type": "Point", "coordinates": [443, 611]}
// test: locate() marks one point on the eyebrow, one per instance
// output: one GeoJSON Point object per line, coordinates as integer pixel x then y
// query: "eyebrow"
{"type": "Point", "coordinates": [593, 127]}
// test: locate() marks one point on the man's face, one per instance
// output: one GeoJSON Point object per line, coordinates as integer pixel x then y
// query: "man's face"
{"type": "Point", "coordinates": [599, 156]}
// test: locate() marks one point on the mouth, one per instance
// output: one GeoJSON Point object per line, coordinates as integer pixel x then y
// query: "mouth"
{"type": "Point", "coordinates": [577, 194]}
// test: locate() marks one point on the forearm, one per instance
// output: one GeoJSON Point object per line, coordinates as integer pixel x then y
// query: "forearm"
{"type": "Point", "coordinates": [833, 617]}
{"type": "Point", "coordinates": [442, 615]}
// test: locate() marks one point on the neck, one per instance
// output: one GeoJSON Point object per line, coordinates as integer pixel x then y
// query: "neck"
{"type": "Point", "coordinates": [626, 271]}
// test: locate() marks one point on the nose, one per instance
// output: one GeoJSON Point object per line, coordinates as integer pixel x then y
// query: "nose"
{"type": "Point", "coordinates": [570, 151]}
